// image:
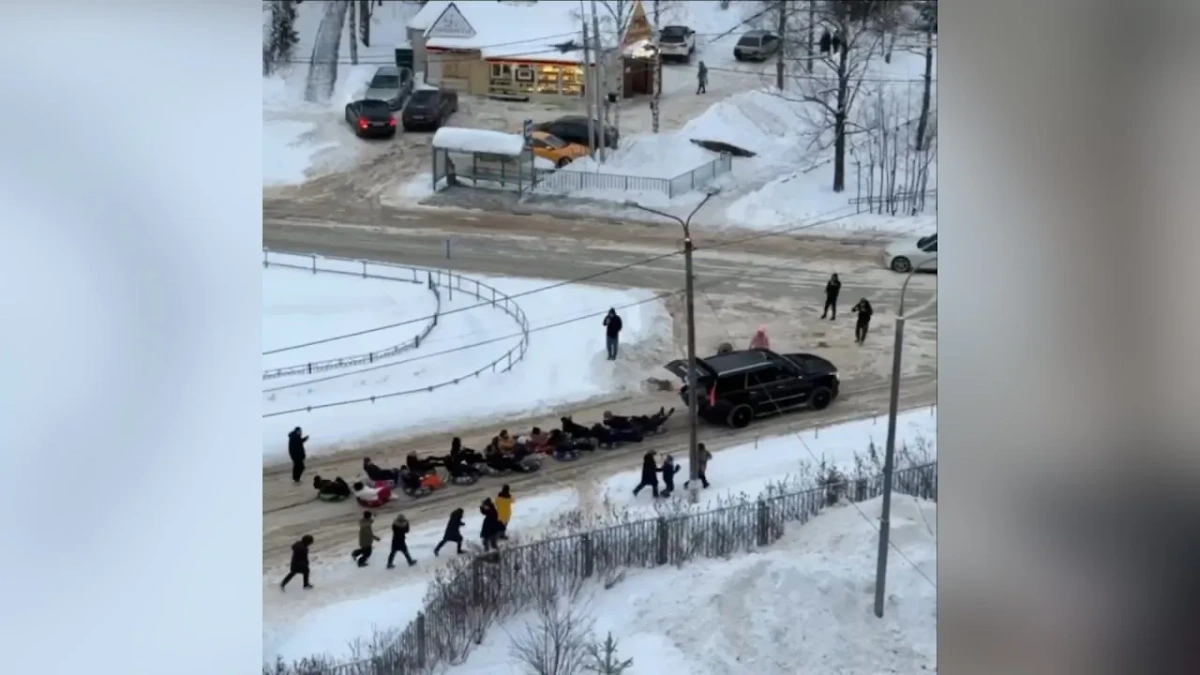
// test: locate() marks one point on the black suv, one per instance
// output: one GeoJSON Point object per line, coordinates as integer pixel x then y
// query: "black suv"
{"type": "Point", "coordinates": [736, 387]}
{"type": "Point", "coordinates": [429, 108]}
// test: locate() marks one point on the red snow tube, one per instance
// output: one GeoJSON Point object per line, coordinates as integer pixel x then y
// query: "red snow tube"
{"type": "Point", "coordinates": [385, 493]}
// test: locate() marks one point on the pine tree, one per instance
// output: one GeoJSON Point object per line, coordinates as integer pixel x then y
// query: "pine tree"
{"type": "Point", "coordinates": [282, 37]}
{"type": "Point", "coordinates": [603, 660]}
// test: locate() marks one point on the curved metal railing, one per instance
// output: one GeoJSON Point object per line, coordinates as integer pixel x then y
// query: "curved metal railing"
{"type": "Point", "coordinates": [360, 359]}
{"type": "Point", "coordinates": [451, 282]}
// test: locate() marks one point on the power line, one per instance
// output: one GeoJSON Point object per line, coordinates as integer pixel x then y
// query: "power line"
{"type": "Point", "coordinates": [779, 411]}
{"type": "Point", "coordinates": [595, 275]}
{"type": "Point", "coordinates": [392, 364]}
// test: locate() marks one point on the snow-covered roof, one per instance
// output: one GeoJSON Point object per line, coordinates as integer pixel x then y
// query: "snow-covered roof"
{"type": "Point", "coordinates": [479, 140]}
{"type": "Point", "coordinates": [525, 30]}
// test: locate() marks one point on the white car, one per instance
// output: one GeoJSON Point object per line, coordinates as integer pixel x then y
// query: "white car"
{"type": "Point", "coordinates": [676, 43]}
{"type": "Point", "coordinates": [906, 255]}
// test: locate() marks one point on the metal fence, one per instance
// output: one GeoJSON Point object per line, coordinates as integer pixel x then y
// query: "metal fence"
{"type": "Point", "coordinates": [417, 277]}
{"type": "Point", "coordinates": [565, 180]}
{"type": "Point", "coordinates": [450, 282]}
{"type": "Point", "coordinates": [461, 607]}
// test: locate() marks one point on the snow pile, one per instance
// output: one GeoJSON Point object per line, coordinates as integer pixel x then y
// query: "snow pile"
{"type": "Point", "coordinates": [650, 156]}
{"type": "Point", "coordinates": [287, 153]}
{"type": "Point", "coordinates": [479, 140]}
{"type": "Point", "coordinates": [758, 121]}
{"type": "Point", "coordinates": [802, 605]}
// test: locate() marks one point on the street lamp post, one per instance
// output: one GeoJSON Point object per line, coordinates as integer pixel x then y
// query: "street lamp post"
{"type": "Point", "coordinates": [889, 457]}
{"type": "Point", "coordinates": [689, 291]}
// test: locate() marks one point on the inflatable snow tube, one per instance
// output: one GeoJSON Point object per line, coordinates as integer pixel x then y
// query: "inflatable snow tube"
{"type": "Point", "coordinates": [326, 497]}
{"type": "Point", "coordinates": [385, 494]}
{"type": "Point", "coordinates": [468, 479]}
{"type": "Point", "coordinates": [566, 456]}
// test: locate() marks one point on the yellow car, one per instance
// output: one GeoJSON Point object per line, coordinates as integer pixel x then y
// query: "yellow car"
{"type": "Point", "coordinates": [555, 149]}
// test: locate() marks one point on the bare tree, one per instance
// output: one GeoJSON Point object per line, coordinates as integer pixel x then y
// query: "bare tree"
{"type": "Point", "coordinates": [614, 21]}
{"type": "Point", "coordinates": [833, 88]}
{"type": "Point", "coordinates": [352, 16]}
{"type": "Point", "coordinates": [322, 71]}
{"type": "Point", "coordinates": [556, 641]}
{"type": "Point", "coordinates": [927, 89]}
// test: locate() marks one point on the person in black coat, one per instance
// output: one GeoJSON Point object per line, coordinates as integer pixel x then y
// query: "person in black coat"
{"type": "Point", "coordinates": [612, 333]}
{"type": "Point", "coordinates": [399, 544]}
{"type": "Point", "coordinates": [864, 311]}
{"type": "Point", "coordinates": [453, 532]}
{"type": "Point", "coordinates": [296, 440]}
{"type": "Point", "coordinates": [376, 474]}
{"type": "Point", "coordinates": [826, 41]}
{"type": "Point", "coordinates": [669, 468]}
{"type": "Point", "coordinates": [492, 527]}
{"type": "Point", "coordinates": [299, 563]}
{"type": "Point", "coordinates": [649, 475]}
{"type": "Point", "coordinates": [832, 288]}
{"type": "Point", "coordinates": [331, 488]}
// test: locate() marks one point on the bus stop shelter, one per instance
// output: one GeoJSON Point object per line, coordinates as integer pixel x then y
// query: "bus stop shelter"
{"type": "Point", "coordinates": [481, 158]}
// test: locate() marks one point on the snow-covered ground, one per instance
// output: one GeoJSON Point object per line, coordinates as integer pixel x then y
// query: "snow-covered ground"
{"type": "Point", "coordinates": [346, 606]}
{"type": "Point", "coordinates": [803, 605]}
{"type": "Point", "coordinates": [564, 364]}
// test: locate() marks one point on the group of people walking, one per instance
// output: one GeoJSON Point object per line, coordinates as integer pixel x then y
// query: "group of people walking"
{"type": "Point", "coordinates": [496, 515]}
{"type": "Point", "coordinates": [862, 309]}
{"type": "Point", "coordinates": [651, 470]}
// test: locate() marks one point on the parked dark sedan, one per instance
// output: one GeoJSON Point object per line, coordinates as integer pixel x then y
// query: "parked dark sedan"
{"type": "Point", "coordinates": [574, 129]}
{"type": "Point", "coordinates": [371, 119]}
{"type": "Point", "coordinates": [429, 108]}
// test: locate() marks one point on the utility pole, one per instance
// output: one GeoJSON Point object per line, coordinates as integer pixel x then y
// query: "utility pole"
{"type": "Point", "coordinates": [588, 87]}
{"type": "Point", "coordinates": [889, 458]}
{"type": "Point", "coordinates": [782, 4]}
{"type": "Point", "coordinates": [812, 19]}
{"type": "Point", "coordinates": [690, 291]}
{"type": "Point", "coordinates": [656, 87]}
{"type": "Point", "coordinates": [598, 50]}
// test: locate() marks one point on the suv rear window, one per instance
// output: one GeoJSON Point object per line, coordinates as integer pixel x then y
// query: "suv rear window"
{"type": "Point", "coordinates": [731, 384]}
{"type": "Point", "coordinates": [749, 41]}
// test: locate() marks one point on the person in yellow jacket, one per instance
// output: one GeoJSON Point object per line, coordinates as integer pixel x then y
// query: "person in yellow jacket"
{"type": "Point", "coordinates": [504, 502]}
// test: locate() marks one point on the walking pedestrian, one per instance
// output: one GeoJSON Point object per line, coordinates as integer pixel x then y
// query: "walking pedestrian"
{"type": "Point", "coordinates": [612, 333]}
{"type": "Point", "coordinates": [399, 542]}
{"type": "Point", "coordinates": [835, 43]}
{"type": "Point", "coordinates": [649, 475]}
{"type": "Point", "coordinates": [760, 340]}
{"type": "Point", "coordinates": [826, 41]}
{"type": "Point", "coordinates": [832, 288]}
{"type": "Point", "coordinates": [669, 468]}
{"type": "Point", "coordinates": [702, 474]}
{"type": "Point", "coordinates": [366, 540]}
{"type": "Point", "coordinates": [701, 79]}
{"type": "Point", "coordinates": [296, 440]}
{"type": "Point", "coordinates": [299, 563]}
{"type": "Point", "coordinates": [864, 311]}
{"type": "Point", "coordinates": [490, 531]}
{"type": "Point", "coordinates": [453, 532]}
{"type": "Point", "coordinates": [504, 504]}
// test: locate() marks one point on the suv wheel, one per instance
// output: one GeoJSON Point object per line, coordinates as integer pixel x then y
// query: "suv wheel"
{"type": "Point", "coordinates": [821, 398]}
{"type": "Point", "coordinates": [740, 417]}
{"type": "Point", "coordinates": [901, 264]}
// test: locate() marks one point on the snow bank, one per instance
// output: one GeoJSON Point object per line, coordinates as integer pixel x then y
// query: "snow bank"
{"type": "Point", "coordinates": [479, 140]}
{"type": "Point", "coordinates": [758, 121]}
{"type": "Point", "coordinates": [286, 91]}
{"type": "Point", "coordinates": [286, 154]}
{"type": "Point", "coordinates": [650, 156]}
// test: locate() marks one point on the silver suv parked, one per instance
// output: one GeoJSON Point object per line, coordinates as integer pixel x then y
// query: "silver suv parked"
{"type": "Point", "coordinates": [756, 45]}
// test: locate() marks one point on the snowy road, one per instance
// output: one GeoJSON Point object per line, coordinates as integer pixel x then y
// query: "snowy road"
{"type": "Point", "coordinates": [776, 280]}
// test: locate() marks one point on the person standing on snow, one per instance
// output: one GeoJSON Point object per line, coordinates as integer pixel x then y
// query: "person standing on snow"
{"type": "Point", "coordinates": [702, 79]}
{"type": "Point", "coordinates": [612, 333]}
{"type": "Point", "coordinates": [760, 339]}
{"type": "Point", "coordinates": [669, 469]}
{"type": "Point", "coordinates": [504, 504]}
{"type": "Point", "coordinates": [296, 440]}
{"type": "Point", "coordinates": [490, 531]}
{"type": "Point", "coordinates": [705, 456]}
{"type": "Point", "coordinates": [399, 543]}
{"type": "Point", "coordinates": [649, 475]}
{"type": "Point", "coordinates": [832, 288]}
{"type": "Point", "coordinates": [366, 540]}
{"type": "Point", "coordinates": [299, 563]}
{"type": "Point", "coordinates": [453, 532]}
{"type": "Point", "coordinates": [864, 311]}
